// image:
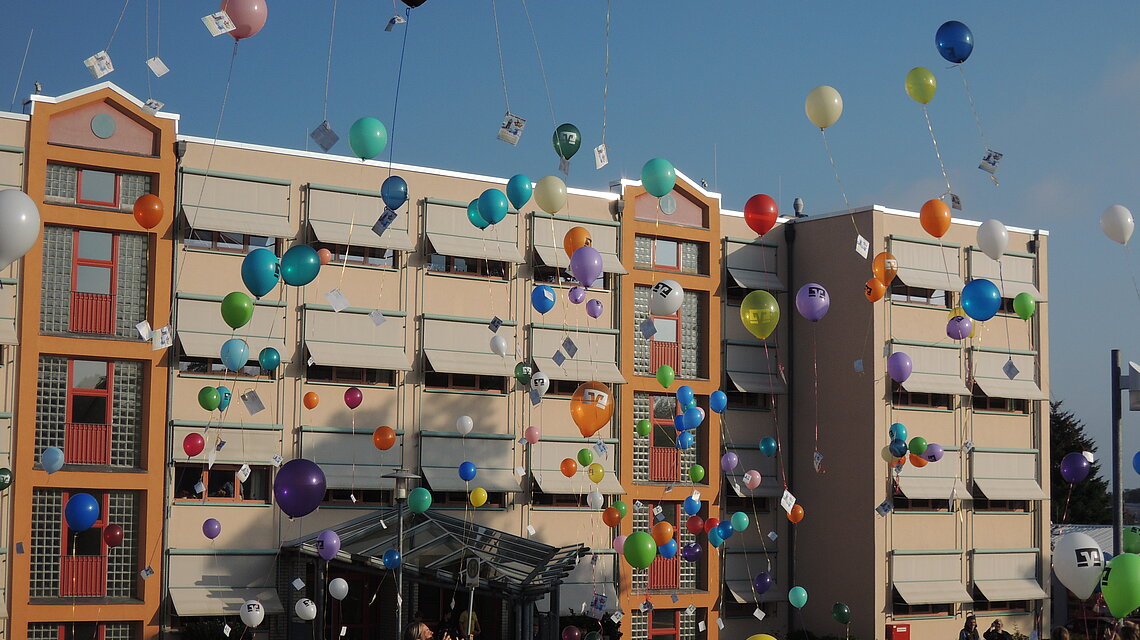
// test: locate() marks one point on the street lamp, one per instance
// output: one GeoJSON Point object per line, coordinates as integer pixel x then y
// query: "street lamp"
{"type": "Point", "coordinates": [401, 476]}
{"type": "Point", "coordinates": [1120, 382]}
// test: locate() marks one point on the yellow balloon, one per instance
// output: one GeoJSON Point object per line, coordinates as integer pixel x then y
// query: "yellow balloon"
{"type": "Point", "coordinates": [921, 85]}
{"type": "Point", "coordinates": [823, 106]}
{"type": "Point", "coordinates": [760, 313]}
{"type": "Point", "coordinates": [595, 472]}
{"type": "Point", "coordinates": [761, 636]}
{"type": "Point", "coordinates": [550, 194]}
{"type": "Point", "coordinates": [478, 497]}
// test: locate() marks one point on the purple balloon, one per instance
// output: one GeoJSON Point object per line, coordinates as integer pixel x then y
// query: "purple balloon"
{"type": "Point", "coordinates": [933, 452]}
{"type": "Point", "coordinates": [691, 552]}
{"type": "Point", "coordinates": [812, 301]}
{"type": "Point", "coordinates": [1075, 467]}
{"type": "Point", "coordinates": [576, 295]}
{"type": "Point", "coordinates": [762, 582]}
{"type": "Point", "coordinates": [899, 366]}
{"type": "Point", "coordinates": [594, 308]}
{"type": "Point", "coordinates": [959, 328]}
{"type": "Point", "coordinates": [571, 633]}
{"type": "Point", "coordinates": [586, 265]}
{"type": "Point", "coordinates": [299, 487]}
{"type": "Point", "coordinates": [211, 528]}
{"type": "Point", "coordinates": [729, 461]}
{"type": "Point", "coordinates": [328, 544]}
{"type": "Point", "coordinates": [353, 397]}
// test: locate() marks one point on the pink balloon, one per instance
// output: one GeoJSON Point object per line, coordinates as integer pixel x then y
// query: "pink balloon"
{"type": "Point", "coordinates": [619, 544]}
{"type": "Point", "coordinates": [752, 479]}
{"type": "Point", "coordinates": [248, 15]}
{"type": "Point", "coordinates": [353, 397]}
{"type": "Point", "coordinates": [532, 435]}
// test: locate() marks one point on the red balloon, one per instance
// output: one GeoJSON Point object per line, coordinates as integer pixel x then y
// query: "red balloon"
{"type": "Point", "coordinates": [353, 397]}
{"type": "Point", "coordinates": [113, 535]}
{"type": "Point", "coordinates": [760, 213]}
{"type": "Point", "coordinates": [695, 524]}
{"type": "Point", "coordinates": [193, 444]}
{"type": "Point", "coordinates": [248, 15]}
{"type": "Point", "coordinates": [711, 524]}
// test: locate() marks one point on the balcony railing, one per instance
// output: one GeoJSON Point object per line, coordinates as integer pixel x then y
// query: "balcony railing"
{"type": "Point", "coordinates": [92, 313]}
{"type": "Point", "coordinates": [82, 576]}
{"type": "Point", "coordinates": [87, 443]}
{"type": "Point", "coordinates": [665, 573]}
{"type": "Point", "coordinates": [662, 353]}
{"type": "Point", "coordinates": [664, 464]}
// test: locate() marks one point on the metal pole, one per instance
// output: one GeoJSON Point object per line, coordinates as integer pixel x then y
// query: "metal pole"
{"type": "Point", "coordinates": [1117, 465]}
{"type": "Point", "coordinates": [400, 570]}
{"type": "Point", "coordinates": [470, 611]}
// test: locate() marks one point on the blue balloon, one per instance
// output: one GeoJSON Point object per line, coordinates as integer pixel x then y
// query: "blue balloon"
{"type": "Point", "coordinates": [226, 395]}
{"type": "Point", "coordinates": [954, 41]}
{"type": "Point", "coordinates": [474, 217]}
{"type": "Point", "coordinates": [768, 447]}
{"type": "Point", "coordinates": [391, 559]}
{"type": "Point", "coordinates": [519, 190]}
{"type": "Point", "coordinates": [692, 418]}
{"type": "Point", "coordinates": [692, 506]}
{"type": "Point", "coordinates": [714, 536]}
{"type": "Point", "coordinates": [1136, 462]}
{"type": "Point", "coordinates": [542, 298]}
{"type": "Point", "coordinates": [684, 394]}
{"type": "Point", "coordinates": [300, 265]}
{"type": "Point", "coordinates": [269, 359]}
{"type": "Point", "coordinates": [685, 440]}
{"type": "Point", "coordinates": [235, 353]}
{"type": "Point", "coordinates": [679, 422]}
{"type": "Point", "coordinates": [81, 512]}
{"type": "Point", "coordinates": [724, 529]}
{"type": "Point", "coordinates": [493, 206]}
{"type": "Point", "coordinates": [898, 448]}
{"type": "Point", "coordinates": [394, 192]}
{"type": "Point", "coordinates": [718, 401]}
{"type": "Point", "coordinates": [467, 471]}
{"type": "Point", "coordinates": [668, 550]}
{"type": "Point", "coordinates": [981, 299]}
{"type": "Point", "coordinates": [897, 431]}
{"type": "Point", "coordinates": [52, 459]}
{"type": "Point", "coordinates": [260, 271]}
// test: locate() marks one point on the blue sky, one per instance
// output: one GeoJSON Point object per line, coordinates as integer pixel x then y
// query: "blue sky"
{"type": "Point", "coordinates": [1057, 85]}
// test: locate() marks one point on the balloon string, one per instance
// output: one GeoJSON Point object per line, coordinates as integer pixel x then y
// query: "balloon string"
{"type": "Point", "coordinates": [1001, 280]}
{"type": "Point", "coordinates": [1132, 270]}
{"type": "Point", "coordinates": [1065, 514]}
{"type": "Point", "coordinates": [838, 180]}
{"type": "Point", "coordinates": [937, 153]}
{"type": "Point", "coordinates": [541, 67]}
{"type": "Point", "coordinates": [116, 29]}
{"type": "Point", "coordinates": [399, 77]}
{"type": "Point", "coordinates": [499, 44]}
{"type": "Point", "coordinates": [328, 64]}
{"type": "Point", "coordinates": [977, 118]}
{"type": "Point", "coordinates": [351, 224]}
{"type": "Point", "coordinates": [146, 33]}
{"type": "Point", "coordinates": [815, 391]}
{"type": "Point", "coordinates": [606, 73]}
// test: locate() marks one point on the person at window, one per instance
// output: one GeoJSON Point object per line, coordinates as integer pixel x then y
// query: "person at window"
{"type": "Point", "coordinates": [995, 632]}
{"type": "Point", "coordinates": [970, 629]}
{"type": "Point", "coordinates": [420, 631]}
{"type": "Point", "coordinates": [475, 629]}
{"type": "Point", "coordinates": [226, 490]}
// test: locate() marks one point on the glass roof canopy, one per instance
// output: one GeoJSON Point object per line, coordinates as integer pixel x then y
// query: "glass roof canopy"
{"type": "Point", "coordinates": [436, 546]}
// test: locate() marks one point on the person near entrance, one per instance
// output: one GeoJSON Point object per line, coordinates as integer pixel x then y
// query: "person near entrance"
{"type": "Point", "coordinates": [420, 631]}
{"type": "Point", "coordinates": [475, 629]}
{"type": "Point", "coordinates": [995, 632]}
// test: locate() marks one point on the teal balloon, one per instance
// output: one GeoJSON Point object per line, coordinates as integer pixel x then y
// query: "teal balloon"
{"type": "Point", "coordinates": [260, 271]}
{"type": "Point", "coordinates": [519, 190]}
{"type": "Point", "coordinates": [714, 537]}
{"type": "Point", "coordinates": [300, 265]}
{"type": "Point", "coordinates": [897, 431]}
{"type": "Point", "coordinates": [797, 597]}
{"type": "Point", "coordinates": [394, 192]}
{"type": "Point", "coordinates": [474, 216]}
{"type": "Point", "coordinates": [492, 206]}
{"type": "Point", "coordinates": [768, 447]}
{"type": "Point", "coordinates": [269, 359]}
{"type": "Point", "coordinates": [658, 177]}
{"type": "Point", "coordinates": [235, 353]}
{"type": "Point", "coordinates": [367, 137]}
{"type": "Point", "coordinates": [419, 500]}
{"type": "Point", "coordinates": [740, 521]}
{"type": "Point", "coordinates": [225, 396]}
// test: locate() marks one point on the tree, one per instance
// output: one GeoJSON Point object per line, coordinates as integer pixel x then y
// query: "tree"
{"type": "Point", "coordinates": [1090, 502]}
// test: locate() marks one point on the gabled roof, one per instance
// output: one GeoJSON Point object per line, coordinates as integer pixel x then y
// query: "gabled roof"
{"type": "Point", "coordinates": [34, 98]}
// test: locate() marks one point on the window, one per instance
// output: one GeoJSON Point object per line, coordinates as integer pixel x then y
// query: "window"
{"type": "Point", "coordinates": [733, 609]}
{"type": "Point", "coordinates": [222, 483]}
{"type": "Point", "coordinates": [360, 255]}
{"type": "Point", "coordinates": [94, 187]}
{"type": "Point", "coordinates": [363, 497]}
{"type": "Point", "coordinates": [82, 631]}
{"type": "Point", "coordinates": [748, 503]}
{"type": "Point", "coordinates": [553, 275]}
{"type": "Point", "coordinates": [981, 604]}
{"type": "Point", "coordinates": [214, 367]}
{"type": "Point", "coordinates": [665, 624]}
{"type": "Point", "coordinates": [902, 398]}
{"type": "Point", "coordinates": [350, 375]}
{"type": "Point", "coordinates": [670, 254]}
{"type": "Point", "coordinates": [495, 499]}
{"type": "Point", "coordinates": [903, 503]}
{"type": "Point", "coordinates": [563, 387]}
{"type": "Point", "coordinates": [901, 609]}
{"type": "Point", "coordinates": [982, 402]}
{"type": "Point", "coordinates": [917, 295]}
{"type": "Point", "coordinates": [983, 504]}
{"type": "Point", "coordinates": [743, 400]}
{"type": "Point", "coordinates": [225, 241]}
{"type": "Point", "coordinates": [564, 500]}
{"type": "Point", "coordinates": [467, 266]}
{"type": "Point", "coordinates": [734, 294]}
{"type": "Point", "coordinates": [466, 382]}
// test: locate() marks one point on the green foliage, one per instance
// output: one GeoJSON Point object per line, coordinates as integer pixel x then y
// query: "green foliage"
{"type": "Point", "coordinates": [1091, 502]}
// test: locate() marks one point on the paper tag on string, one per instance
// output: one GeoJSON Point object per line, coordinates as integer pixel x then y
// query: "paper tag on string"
{"type": "Point", "coordinates": [675, 598]}
{"type": "Point", "coordinates": [564, 166]}
{"type": "Point", "coordinates": [384, 221]}
{"type": "Point", "coordinates": [210, 458]}
{"type": "Point", "coordinates": [153, 106]}
{"type": "Point", "coordinates": [862, 246]}
{"type": "Point", "coordinates": [530, 530]}
{"type": "Point", "coordinates": [859, 366]}
{"type": "Point", "coordinates": [243, 473]}
{"type": "Point", "coordinates": [1010, 369]}
{"type": "Point", "coordinates": [668, 489]}
{"type": "Point", "coordinates": [147, 572]}
{"type": "Point", "coordinates": [720, 624]}
{"type": "Point", "coordinates": [617, 616]}
{"type": "Point", "coordinates": [161, 339]}
{"type": "Point", "coordinates": [601, 156]}
{"type": "Point", "coordinates": [512, 128]}
{"type": "Point", "coordinates": [298, 584]}
{"type": "Point", "coordinates": [324, 136]}
{"type": "Point", "coordinates": [646, 606]}
{"type": "Point", "coordinates": [157, 66]}
{"type": "Point", "coordinates": [520, 471]}
{"type": "Point", "coordinates": [953, 500]}
{"type": "Point", "coordinates": [399, 600]}
{"type": "Point", "coordinates": [569, 347]}
{"type": "Point", "coordinates": [691, 609]}
{"type": "Point", "coordinates": [736, 489]}
{"type": "Point", "coordinates": [311, 361]}
{"type": "Point", "coordinates": [392, 22]}
{"type": "Point", "coordinates": [99, 64]}
{"type": "Point", "coordinates": [495, 324]}
{"type": "Point", "coordinates": [817, 461]}
{"type": "Point", "coordinates": [377, 317]}
{"type": "Point", "coordinates": [218, 23]}
{"type": "Point", "coordinates": [277, 460]}
{"type": "Point", "coordinates": [772, 535]}
{"type": "Point", "coordinates": [19, 548]}
{"type": "Point", "coordinates": [600, 448]}
{"type": "Point", "coordinates": [344, 629]}
{"type": "Point", "coordinates": [747, 477]}
{"type": "Point", "coordinates": [226, 630]}
{"type": "Point", "coordinates": [990, 161]}
{"type": "Point", "coordinates": [558, 358]}
{"type": "Point", "coordinates": [701, 626]}
{"type": "Point", "coordinates": [337, 300]}
{"type": "Point", "coordinates": [657, 510]}
{"type": "Point", "coordinates": [648, 328]}
{"type": "Point", "coordinates": [144, 330]}
{"type": "Point", "coordinates": [535, 397]}
{"type": "Point", "coordinates": [787, 501]}
{"type": "Point", "coordinates": [696, 494]}
{"type": "Point", "coordinates": [637, 505]}
{"type": "Point", "coordinates": [383, 525]}
{"type": "Point", "coordinates": [199, 488]}
{"type": "Point", "coordinates": [884, 508]}
{"type": "Point", "coordinates": [598, 604]}
{"type": "Point", "coordinates": [758, 614]}
{"type": "Point", "coordinates": [967, 446]}
{"type": "Point", "coordinates": [253, 403]}
{"type": "Point", "coordinates": [955, 201]}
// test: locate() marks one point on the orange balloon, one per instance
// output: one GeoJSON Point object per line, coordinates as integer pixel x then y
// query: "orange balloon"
{"type": "Point", "coordinates": [384, 438]}
{"type": "Point", "coordinates": [148, 211]}
{"type": "Point", "coordinates": [874, 290]}
{"type": "Point", "coordinates": [885, 267]}
{"type": "Point", "coordinates": [935, 218]}
{"type": "Point", "coordinates": [311, 400]}
{"type": "Point", "coordinates": [662, 533]}
{"type": "Point", "coordinates": [569, 467]}
{"type": "Point", "coordinates": [611, 516]}
{"type": "Point", "coordinates": [575, 239]}
{"type": "Point", "coordinates": [918, 461]}
{"type": "Point", "coordinates": [796, 514]}
{"type": "Point", "coordinates": [325, 255]}
{"type": "Point", "coordinates": [591, 407]}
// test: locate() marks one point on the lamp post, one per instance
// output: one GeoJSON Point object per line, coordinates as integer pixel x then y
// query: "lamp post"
{"type": "Point", "coordinates": [401, 476]}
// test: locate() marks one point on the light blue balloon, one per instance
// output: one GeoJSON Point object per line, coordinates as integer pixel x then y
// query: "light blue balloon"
{"type": "Point", "coordinates": [797, 597]}
{"type": "Point", "coordinates": [235, 353]}
{"type": "Point", "coordinates": [260, 271]}
{"type": "Point", "coordinates": [668, 550]}
{"type": "Point", "coordinates": [897, 431]}
{"type": "Point", "coordinates": [981, 299]}
{"type": "Point", "coordinates": [269, 359]}
{"type": "Point", "coordinates": [226, 395]}
{"type": "Point", "coordinates": [493, 206]}
{"type": "Point", "coordinates": [52, 459]}
{"type": "Point", "coordinates": [718, 401]}
{"type": "Point", "coordinates": [474, 217]}
{"type": "Point", "coordinates": [685, 440]}
{"type": "Point", "coordinates": [658, 177]}
{"type": "Point", "coordinates": [519, 190]}
{"type": "Point", "coordinates": [542, 298]}
{"type": "Point", "coordinates": [740, 521]}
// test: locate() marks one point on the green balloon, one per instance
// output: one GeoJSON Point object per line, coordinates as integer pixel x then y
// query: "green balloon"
{"type": "Point", "coordinates": [665, 375]}
{"type": "Point", "coordinates": [918, 445]}
{"type": "Point", "coordinates": [621, 508]}
{"type": "Point", "coordinates": [209, 398]}
{"type": "Point", "coordinates": [6, 479]}
{"type": "Point", "coordinates": [696, 473]}
{"type": "Point", "coordinates": [1132, 539]}
{"type": "Point", "coordinates": [585, 457]}
{"type": "Point", "coordinates": [523, 372]}
{"type": "Point", "coordinates": [237, 309]}
{"type": "Point", "coordinates": [567, 140]}
{"type": "Point", "coordinates": [367, 137]}
{"type": "Point", "coordinates": [419, 500]}
{"type": "Point", "coordinates": [658, 177]}
{"type": "Point", "coordinates": [841, 613]}
{"type": "Point", "coordinates": [643, 427]}
{"type": "Point", "coordinates": [1024, 305]}
{"type": "Point", "coordinates": [797, 597]}
{"type": "Point", "coordinates": [1120, 584]}
{"type": "Point", "coordinates": [640, 550]}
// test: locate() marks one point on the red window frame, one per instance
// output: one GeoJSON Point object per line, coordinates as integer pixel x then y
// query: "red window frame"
{"type": "Point", "coordinates": [670, 632]}
{"type": "Point", "coordinates": [100, 631]}
{"type": "Point", "coordinates": [676, 258]}
{"type": "Point", "coordinates": [72, 392]}
{"type": "Point", "coordinates": [79, 189]}
{"type": "Point", "coordinates": [64, 530]}
{"type": "Point", "coordinates": [112, 264]}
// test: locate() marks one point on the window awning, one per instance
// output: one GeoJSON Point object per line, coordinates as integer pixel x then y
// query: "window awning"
{"type": "Point", "coordinates": [332, 214]}
{"type": "Point", "coordinates": [1006, 476]}
{"type": "Point", "coordinates": [932, 487]}
{"type": "Point", "coordinates": [243, 446]}
{"type": "Point", "coordinates": [1010, 488]}
{"type": "Point", "coordinates": [464, 348]}
{"type": "Point", "coordinates": [440, 457]}
{"type": "Point", "coordinates": [1007, 576]}
{"type": "Point", "coordinates": [202, 331]}
{"type": "Point", "coordinates": [353, 340]}
{"type": "Point", "coordinates": [451, 233]}
{"type": "Point", "coordinates": [1004, 590]}
{"type": "Point", "coordinates": [929, 578]}
{"type": "Point", "coordinates": [441, 479]}
{"type": "Point", "coordinates": [741, 591]}
{"type": "Point", "coordinates": [547, 241]}
{"type": "Point", "coordinates": [595, 359]}
{"type": "Point", "coordinates": [753, 370]}
{"type": "Point", "coordinates": [934, 370]}
{"type": "Point", "coordinates": [204, 585]}
{"type": "Point", "coordinates": [933, 592]}
{"type": "Point", "coordinates": [546, 458]}
{"type": "Point", "coordinates": [554, 483]}
{"type": "Point", "coordinates": [988, 373]}
{"type": "Point", "coordinates": [753, 265]}
{"type": "Point", "coordinates": [753, 460]}
{"type": "Point", "coordinates": [236, 206]}
{"type": "Point", "coordinates": [351, 460]}
{"type": "Point", "coordinates": [927, 266]}
{"type": "Point", "coordinates": [211, 601]}
{"type": "Point", "coordinates": [1014, 275]}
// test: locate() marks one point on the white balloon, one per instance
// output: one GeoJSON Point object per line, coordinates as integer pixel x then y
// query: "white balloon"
{"type": "Point", "coordinates": [595, 499]}
{"type": "Point", "coordinates": [306, 609]}
{"type": "Point", "coordinates": [1078, 562]}
{"type": "Point", "coordinates": [665, 298]}
{"type": "Point", "coordinates": [540, 383]}
{"type": "Point", "coordinates": [1116, 222]}
{"type": "Point", "coordinates": [19, 225]}
{"type": "Point", "coordinates": [338, 588]}
{"type": "Point", "coordinates": [993, 238]}
{"type": "Point", "coordinates": [252, 613]}
{"type": "Point", "coordinates": [499, 346]}
{"type": "Point", "coordinates": [464, 424]}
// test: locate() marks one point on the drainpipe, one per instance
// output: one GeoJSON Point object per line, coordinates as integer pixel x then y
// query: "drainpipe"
{"type": "Point", "coordinates": [790, 239]}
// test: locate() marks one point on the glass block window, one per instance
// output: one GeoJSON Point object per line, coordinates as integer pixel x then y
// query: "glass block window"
{"type": "Point", "coordinates": [126, 413]}
{"type": "Point", "coordinates": [640, 342]}
{"type": "Point", "coordinates": [47, 515]}
{"type": "Point", "coordinates": [43, 631]}
{"type": "Point", "coordinates": [640, 577]}
{"type": "Point", "coordinates": [692, 335]}
{"type": "Point", "coordinates": [643, 251]}
{"type": "Point", "coordinates": [688, 620]}
{"type": "Point", "coordinates": [688, 569]}
{"type": "Point", "coordinates": [641, 444]}
{"type": "Point", "coordinates": [131, 187]}
{"type": "Point", "coordinates": [131, 284]}
{"type": "Point", "coordinates": [51, 403]}
{"type": "Point", "coordinates": [55, 294]}
{"type": "Point", "coordinates": [692, 254]}
{"type": "Point", "coordinates": [82, 631]}
{"type": "Point", "coordinates": [122, 569]}
{"type": "Point", "coordinates": [639, 626]}
{"type": "Point", "coordinates": [60, 182]}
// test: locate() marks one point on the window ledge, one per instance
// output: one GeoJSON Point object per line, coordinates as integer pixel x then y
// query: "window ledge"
{"type": "Point", "coordinates": [237, 253]}
{"type": "Point", "coordinates": [357, 265]}
{"type": "Point", "coordinates": [919, 305]}
{"type": "Point", "coordinates": [470, 392]}
{"type": "Point", "coordinates": [922, 617]}
{"type": "Point", "coordinates": [1016, 414]}
{"type": "Point", "coordinates": [180, 502]}
{"type": "Point", "coordinates": [365, 385]}
{"type": "Point", "coordinates": [223, 377]}
{"type": "Point", "coordinates": [927, 409]}
{"type": "Point", "coordinates": [460, 276]}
